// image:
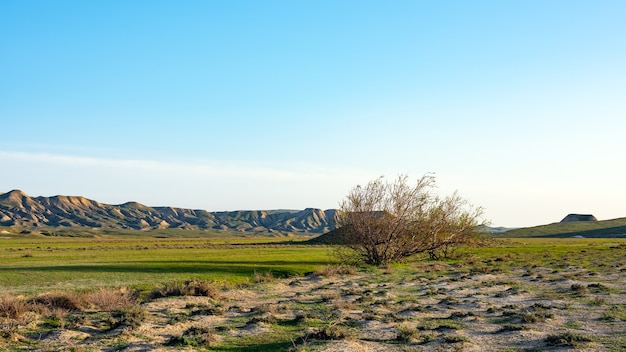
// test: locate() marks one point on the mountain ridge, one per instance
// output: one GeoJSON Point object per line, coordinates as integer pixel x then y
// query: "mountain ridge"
{"type": "Point", "coordinates": [17, 209]}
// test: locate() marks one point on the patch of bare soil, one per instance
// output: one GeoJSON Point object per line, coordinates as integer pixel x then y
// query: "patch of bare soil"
{"type": "Point", "coordinates": [522, 310]}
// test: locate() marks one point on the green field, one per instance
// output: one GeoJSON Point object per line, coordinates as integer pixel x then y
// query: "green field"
{"type": "Point", "coordinates": [33, 263]}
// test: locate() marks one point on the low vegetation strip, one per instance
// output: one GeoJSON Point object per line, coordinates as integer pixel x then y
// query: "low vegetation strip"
{"type": "Point", "coordinates": [31, 265]}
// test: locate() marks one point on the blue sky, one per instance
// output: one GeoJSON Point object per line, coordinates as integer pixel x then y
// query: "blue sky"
{"type": "Point", "coordinates": [224, 105]}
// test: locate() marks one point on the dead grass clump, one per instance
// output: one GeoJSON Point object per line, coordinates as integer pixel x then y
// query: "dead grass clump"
{"type": "Point", "coordinates": [579, 289]}
{"type": "Point", "coordinates": [265, 318]}
{"type": "Point", "coordinates": [63, 300]}
{"type": "Point", "coordinates": [12, 307]}
{"type": "Point", "coordinates": [265, 277]}
{"type": "Point", "coordinates": [330, 332]}
{"type": "Point", "coordinates": [57, 318]}
{"type": "Point", "coordinates": [270, 308]}
{"type": "Point", "coordinates": [330, 296]}
{"type": "Point", "coordinates": [109, 299]}
{"type": "Point", "coordinates": [195, 337]}
{"type": "Point", "coordinates": [187, 288]}
{"type": "Point", "coordinates": [201, 288]}
{"type": "Point", "coordinates": [204, 309]}
{"type": "Point", "coordinates": [335, 270]}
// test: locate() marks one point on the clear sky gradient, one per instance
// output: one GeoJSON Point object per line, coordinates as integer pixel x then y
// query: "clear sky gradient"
{"type": "Point", "coordinates": [225, 105]}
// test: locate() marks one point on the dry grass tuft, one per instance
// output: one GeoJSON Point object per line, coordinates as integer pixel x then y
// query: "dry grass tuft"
{"type": "Point", "coordinates": [12, 307]}
{"type": "Point", "coordinates": [187, 288]}
{"type": "Point", "coordinates": [109, 299]}
{"type": "Point", "coordinates": [63, 300]}
{"type": "Point", "coordinates": [263, 277]}
{"type": "Point", "coordinates": [335, 270]}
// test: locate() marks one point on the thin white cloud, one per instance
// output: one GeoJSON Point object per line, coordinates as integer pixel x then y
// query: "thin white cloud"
{"type": "Point", "coordinates": [201, 184]}
{"type": "Point", "coordinates": [197, 167]}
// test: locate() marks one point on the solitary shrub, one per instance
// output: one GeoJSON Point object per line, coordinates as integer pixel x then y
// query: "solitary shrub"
{"type": "Point", "coordinates": [384, 222]}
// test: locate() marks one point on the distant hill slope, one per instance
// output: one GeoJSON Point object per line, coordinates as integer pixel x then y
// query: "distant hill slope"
{"type": "Point", "coordinates": [17, 209]}
{"type": "Point", "coordinates": [588, 229]}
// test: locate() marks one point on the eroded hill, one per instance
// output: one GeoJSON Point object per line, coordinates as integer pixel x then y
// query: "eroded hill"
{"type": "Point", "coordinates": [20, 210]}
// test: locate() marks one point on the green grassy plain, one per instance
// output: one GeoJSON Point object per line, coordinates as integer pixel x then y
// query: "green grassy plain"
{"type": "Point", "coordinates": [32, 264]}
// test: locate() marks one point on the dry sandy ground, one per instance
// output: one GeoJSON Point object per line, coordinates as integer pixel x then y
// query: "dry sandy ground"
{"type": "Point", "coordinates": [373, 311]}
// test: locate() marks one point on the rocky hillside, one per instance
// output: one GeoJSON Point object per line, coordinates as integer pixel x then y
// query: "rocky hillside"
{"type": "Point", "coordinates": [20, 210]}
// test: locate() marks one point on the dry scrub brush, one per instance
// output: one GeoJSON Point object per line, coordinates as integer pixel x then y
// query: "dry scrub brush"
{"type": "Point", "coordinates": [384, 222]}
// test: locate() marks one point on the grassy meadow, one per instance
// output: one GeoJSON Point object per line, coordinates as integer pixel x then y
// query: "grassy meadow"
{"type": "Point", "coordinates": [36, 264]}
{"type": "Point", "coordinates": [32, 264]}
{"type": "Point", "coordinates": [217, 293]}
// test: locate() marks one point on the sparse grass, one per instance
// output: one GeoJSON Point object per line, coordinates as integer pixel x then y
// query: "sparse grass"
{"type": "Point", "coordinates": [440, 324]}
{"type": "Point", "coordinates": [567, 339]}
{"type": "Point", "coordinates": [407, 334]}
{"type": "Point", "coordinates": [335, 270]}
{"type": "Point", "coordinates": [194, 337]}
{"type": "Point", "coordinates": [454, 338]}
{"type": "Point", "coordinates": [513, 327]}
{"type": "Point", "coordinates": [573, 325]}
{"type": "Point", "coordinates": [130, 317]}
{"type": "Point", "coordinates": [614, 313]}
